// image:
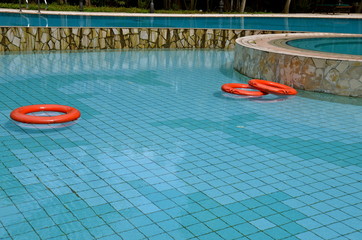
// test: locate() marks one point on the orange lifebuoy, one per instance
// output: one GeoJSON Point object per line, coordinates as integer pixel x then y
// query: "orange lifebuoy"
{"type": "Point", "coordinates": [21, 114]}
{"type": "Point", "coordinates": [272, 87]}
{"type": "Point", "coordinates": [233, 88]}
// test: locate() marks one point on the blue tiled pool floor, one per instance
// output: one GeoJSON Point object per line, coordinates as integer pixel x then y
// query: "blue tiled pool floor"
{"type": "Point", "coordinates": [161, 153]}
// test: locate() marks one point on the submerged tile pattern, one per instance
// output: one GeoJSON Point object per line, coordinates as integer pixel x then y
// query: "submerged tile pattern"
{"type": "Point", "coordinates": [42, 38]}
{"type": "Point", "coordinates": [161, 153]}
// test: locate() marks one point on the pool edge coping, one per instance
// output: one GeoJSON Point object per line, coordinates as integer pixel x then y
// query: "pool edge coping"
{"type": "Point", "coordinates": [267, 43]}
{"type": "Point", "coordinates": [120, 14]}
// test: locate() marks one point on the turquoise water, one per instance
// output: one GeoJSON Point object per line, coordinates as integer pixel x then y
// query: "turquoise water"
{"type": "Point", "coordinates": [161, 153]}
{"type": "Point", "coordinates": [344, 45]}
{"type": "Point", "coordinates": [334, 25]}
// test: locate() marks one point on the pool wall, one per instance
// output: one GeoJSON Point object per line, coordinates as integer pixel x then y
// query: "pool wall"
{"type": "Point", "coordinates": [262, 57]}
{"type": "Point", "coordinates": [54, 38]}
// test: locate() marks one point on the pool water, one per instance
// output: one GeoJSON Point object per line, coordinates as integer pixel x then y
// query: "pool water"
{"type": "Point", "coordinates": [161, 153]}
{"type": "Point", "coordinates": [333, 25]}
{"type": "Point", "coordinates": [344, 45]}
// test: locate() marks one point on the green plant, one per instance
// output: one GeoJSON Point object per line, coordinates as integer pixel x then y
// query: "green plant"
{"type": "Point", "coordinates": [109, 3]}
{"type": "Point", "coordinates": [175, 6]}
{"type": "Point", "coordinates": [143, 3]}
{"type": "Point", "coordinates": [303, 6]}
{"type": "Point", "coordinates": [53, 6]}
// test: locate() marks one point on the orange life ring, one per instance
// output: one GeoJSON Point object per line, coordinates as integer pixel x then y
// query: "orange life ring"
{"type": "Point", "coordinates": [272, 87]}
{"type": "Point", "coordinates": [233, 88]}
{"type": "Point", "coordinates": [20, 114]}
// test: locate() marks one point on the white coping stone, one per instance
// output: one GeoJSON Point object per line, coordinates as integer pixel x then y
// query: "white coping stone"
{"type": "Point", "coordinates": [16, 41]}
{"type": "Point", "coordinates": [50, 44]}
{"type": "Point", "coordinates": [144, 35]}
{"type": "Point", "coordinates": [21, 32]}
{"type": "Point", "coordinates": [44, 38]}
{"type": "Point", "coordinates": [103, 33]}
{"type": "Point", "coordinates": [354, 84]}
{"type": "Point", "coordinates": [115, 31]}
{"type": "Point", "coordinates": [75, 31]}
{"type": "Point", "coordinates": [57, 44]}
{"type": "Point", "coordinates": [264, 43]}
{"type": "Point", "coordinates": [33, 31]}
{"type": "Point", "coordinates": [319, 63]}
{"type": "Point", "coordinates": [342, 66]}
{"type": "Point", "coordinates": [86, 31]}
{"type": "Point", "coordinates": [85, 41]}
{"type": "Point", "coordinates": [153, 36]}
{"type": "Point", "coordinates": [10, 35]}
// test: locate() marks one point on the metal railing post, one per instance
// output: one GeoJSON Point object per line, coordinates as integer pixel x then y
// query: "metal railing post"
{"type": "Point", "coordinates": [81, 5]}
{"type": "Point", "coordinates": [152, 7]}
{"type": "Point", "coordinates": [221, 6]}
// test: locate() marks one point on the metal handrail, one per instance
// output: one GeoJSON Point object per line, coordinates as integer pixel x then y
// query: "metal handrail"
{"type": "Point", "coordinates": [27, 20]}
{"type": "Point", "coordinates": [46, 5]}
{"type": "Point", "coordinates": [27, 5]}
{"type": "Point", "coordinates": [46, 20]}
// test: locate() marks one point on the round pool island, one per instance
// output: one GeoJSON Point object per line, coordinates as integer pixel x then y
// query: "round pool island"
{"type": "Point", "coordinates": [272, 57]}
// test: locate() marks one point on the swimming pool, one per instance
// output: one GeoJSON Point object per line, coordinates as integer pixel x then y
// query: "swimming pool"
{"type": "Point", "coordinates": [308, 24]}
{"type": "Point", "coordinates": [160, 152]}
{"type": "Point", "coordinates": [343, 45]}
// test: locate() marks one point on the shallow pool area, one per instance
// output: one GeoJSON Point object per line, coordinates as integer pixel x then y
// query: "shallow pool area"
{"type": "Point", "coordinates": [160, 152]}
{"type": "Point", "coordinates": [342, 45]}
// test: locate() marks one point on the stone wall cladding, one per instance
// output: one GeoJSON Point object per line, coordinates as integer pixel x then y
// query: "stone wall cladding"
{"type": "Point", "coordinates": [340, 77]}
{"type": "Point", "coordinates": [54, 38]}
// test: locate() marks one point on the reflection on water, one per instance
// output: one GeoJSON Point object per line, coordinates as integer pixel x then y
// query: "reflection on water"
{"type": "Point", "coordinates": [31, 64]}
{"type": "Point", "coordinates": [331, 98]}
{"type": "Point", "coordinates": [45, 126]}
{"type": "Point", "coordinates": [257, 23]}
{"type": "Point", "coordinates": [94, 67]}
{"type": "Point", "coordinates": [270, 98]}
